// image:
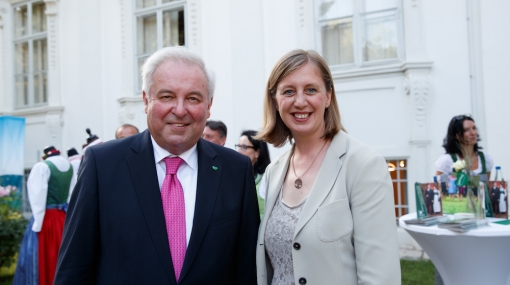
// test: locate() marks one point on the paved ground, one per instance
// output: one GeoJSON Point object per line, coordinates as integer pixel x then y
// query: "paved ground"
{"type": "Point", "coordinates": [408, 247]}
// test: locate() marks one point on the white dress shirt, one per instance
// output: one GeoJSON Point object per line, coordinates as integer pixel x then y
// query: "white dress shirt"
{"type": "Point", "coordinates": [75, 161]}
{"type": "Point", "coordinates": [187, 175]}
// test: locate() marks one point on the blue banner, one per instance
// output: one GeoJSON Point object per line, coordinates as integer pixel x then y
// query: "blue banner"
{"type": "Point", "coordinates": [12, 146]}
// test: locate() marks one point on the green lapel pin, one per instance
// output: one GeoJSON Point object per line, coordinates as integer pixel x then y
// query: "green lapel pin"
{"type": "Point", "coordinates": [215, 167]}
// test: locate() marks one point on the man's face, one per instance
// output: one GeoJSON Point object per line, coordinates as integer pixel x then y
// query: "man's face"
{"type": "Point", "coordinates": [125, 132]}
{"type": "Point", "coordinates": [213, 136]}
{"type": "Point", "coordinates": [178, 106]}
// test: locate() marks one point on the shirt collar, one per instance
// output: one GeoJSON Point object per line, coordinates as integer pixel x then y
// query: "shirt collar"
{"type": "Point", "coordinates": [190, 156]}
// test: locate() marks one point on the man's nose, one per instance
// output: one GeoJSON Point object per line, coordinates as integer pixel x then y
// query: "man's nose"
{"type": "Point", "coordinates": [179, 110]}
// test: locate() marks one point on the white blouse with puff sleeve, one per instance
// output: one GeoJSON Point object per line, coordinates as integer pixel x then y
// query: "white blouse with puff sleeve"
{"type": "Point", "coordinates": [445, 163]}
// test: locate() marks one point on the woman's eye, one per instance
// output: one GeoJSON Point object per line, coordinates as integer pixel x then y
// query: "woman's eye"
{"type": "Point", "coordinates": [288, 92]}
{"type": "Point", "coordinates": [311, 90]}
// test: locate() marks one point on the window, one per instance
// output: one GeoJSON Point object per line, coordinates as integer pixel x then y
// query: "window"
{"type": "Point", "coordinates": [398, 173]}
{"type": "Point", "coordinates": [30, 54]}
{"type": "Point", "coordinates": [159, 23]}
{"type": "Point", "coordinates": [360, 32]}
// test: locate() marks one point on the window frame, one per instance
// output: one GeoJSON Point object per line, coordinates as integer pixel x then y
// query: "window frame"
{"type": "Point", "coordinates": [358, 33]}
{"type": "Point", "coordinates": [400, 208]}
{"type": "Point", "coordinates": [159, 8]}
{"type": "Point", "coordinates": [30, 38]}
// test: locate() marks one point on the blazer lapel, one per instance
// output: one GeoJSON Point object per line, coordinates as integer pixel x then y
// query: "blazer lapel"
{"type": "Point", "coordinates": [209, 174]}
{"type": "Point", "coordinates": [276, 176]}
{"type": "Point", "coordinates": [326, 178]}
{"type": "Point", "coordinates": [145, 180]}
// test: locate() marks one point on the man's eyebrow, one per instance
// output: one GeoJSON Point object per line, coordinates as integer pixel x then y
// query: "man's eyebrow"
{"type": "Point", "coordinates": [198, 93]}
{"type": "Point", "coordinates": [164, 91]}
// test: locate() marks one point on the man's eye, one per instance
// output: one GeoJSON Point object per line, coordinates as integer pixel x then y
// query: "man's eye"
{"type": "Point", "coordinates": [165, 97]}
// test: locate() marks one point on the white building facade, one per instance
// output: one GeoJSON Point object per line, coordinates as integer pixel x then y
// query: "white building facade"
{"type": "Point", "coordinates": [402, 68]}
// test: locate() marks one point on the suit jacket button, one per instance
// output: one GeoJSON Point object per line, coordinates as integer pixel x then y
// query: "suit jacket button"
{"type": "Point", "coordinates": [302, 281]}
{"type": "Point", "coordinates": [297, 246]}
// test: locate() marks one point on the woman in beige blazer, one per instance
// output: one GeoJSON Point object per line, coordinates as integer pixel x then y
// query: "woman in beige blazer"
{"type": "Point", "coordinates": [329, 211]}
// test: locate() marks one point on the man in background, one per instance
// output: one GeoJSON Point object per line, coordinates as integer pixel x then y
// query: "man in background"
{"type": "Point", "coordinates": [126, 130]}
{"type": "Point", "coordinates": [215, 132]}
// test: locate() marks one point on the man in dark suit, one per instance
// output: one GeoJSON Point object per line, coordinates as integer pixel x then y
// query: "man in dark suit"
{"type": "Point", "coordinates": [429, 199]}
{"type": "Point", "coordinates": [125, 224]}
{"type": "Point", "coordinates": [495, 192]}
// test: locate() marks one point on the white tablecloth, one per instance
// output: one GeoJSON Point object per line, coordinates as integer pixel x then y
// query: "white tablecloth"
{"type": "Point", "coordinates": [479, 256]}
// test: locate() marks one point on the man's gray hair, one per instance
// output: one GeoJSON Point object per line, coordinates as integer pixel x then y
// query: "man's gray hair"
{"type": "Point", "coordinates": [177, 54]}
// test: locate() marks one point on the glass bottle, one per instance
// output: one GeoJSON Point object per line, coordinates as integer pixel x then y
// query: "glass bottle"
{"type": "Point", "coordinates": [501, 201]}
{"type": "Point", "coordinates": [499, 175]}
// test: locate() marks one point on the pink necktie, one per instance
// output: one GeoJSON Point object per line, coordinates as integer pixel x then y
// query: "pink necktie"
{"type": "Point", "coordinates": [173, 205]}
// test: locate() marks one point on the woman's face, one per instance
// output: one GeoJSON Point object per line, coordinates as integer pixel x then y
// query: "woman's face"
{"type": "Point", "coordinates": [301, 99]}
{"type": "Point", "coordinates": [249, 151]}
{"type": "Point", "coordinates": [470, 135]}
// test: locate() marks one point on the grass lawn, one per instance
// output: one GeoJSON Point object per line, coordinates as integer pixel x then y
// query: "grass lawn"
{"type": "Point", "coordinates": [454, 206]}
{"type": "Point", "coordinates": [414, 272]}
{"type": "Point", "coordinates": [417, 272]}
{"type": "Point", "coordinates": [7, 274]}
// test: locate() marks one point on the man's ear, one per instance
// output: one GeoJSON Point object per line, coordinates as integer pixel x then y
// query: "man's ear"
{"type": "Point", "coordinates": [209, 108]}
{"type": "Point", "coordinates": [145, 101]}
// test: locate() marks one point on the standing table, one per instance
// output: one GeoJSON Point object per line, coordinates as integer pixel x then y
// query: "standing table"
{"type": "Point", "coordinates": [479, 256]}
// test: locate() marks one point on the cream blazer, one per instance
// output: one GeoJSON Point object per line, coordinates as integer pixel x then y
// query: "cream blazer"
{"type": "Point", "coordinates": [347, 230]}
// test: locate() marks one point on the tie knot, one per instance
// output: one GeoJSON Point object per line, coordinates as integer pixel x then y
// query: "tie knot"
{"type": "Point", "coordinates": [172, 164]}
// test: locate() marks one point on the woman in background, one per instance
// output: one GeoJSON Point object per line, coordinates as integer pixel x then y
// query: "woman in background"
{"type": "Point", "coordinates": [461, 142]}
{"type": "Point", "coordinates": [330, 214]}
{"type": "Point", "coordinates": [258, 153]}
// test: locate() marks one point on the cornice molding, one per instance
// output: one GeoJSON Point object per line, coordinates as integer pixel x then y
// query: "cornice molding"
{"type": "Point", "coordinates": [124, 100]}
{"type": "Point", "coordinates": [418, 142]}
{"type": "Point", "coordinates": [35, 111]}
{"type": "Point", "coordinates": [400, 67]}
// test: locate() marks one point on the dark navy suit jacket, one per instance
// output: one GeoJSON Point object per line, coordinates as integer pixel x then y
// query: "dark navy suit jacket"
{"type": "Point", "coordinates": [115, 229]}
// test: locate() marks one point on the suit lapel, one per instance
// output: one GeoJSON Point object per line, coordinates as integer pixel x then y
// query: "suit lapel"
{"type": "Point", "coordinates": [209, 174]}
{"type": "Point", "coordinates": [145, 180]}
{"type": "Point", "coordinates": [326, 178]}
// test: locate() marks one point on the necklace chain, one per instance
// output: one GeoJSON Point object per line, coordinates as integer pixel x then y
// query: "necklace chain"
{"type": "Point", "coordinates": [298, 183]}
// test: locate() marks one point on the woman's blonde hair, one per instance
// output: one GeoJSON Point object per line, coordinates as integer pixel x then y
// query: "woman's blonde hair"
{"type": "Point", "coordinates": [274, 131]}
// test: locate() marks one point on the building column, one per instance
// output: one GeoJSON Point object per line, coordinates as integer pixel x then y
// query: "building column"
{"type": "Point", "coordinates": [418, 88]}
{"type": "Point", "coordinates": [476, 68]}
{"type": "Point", "coordinates": [54, 96]}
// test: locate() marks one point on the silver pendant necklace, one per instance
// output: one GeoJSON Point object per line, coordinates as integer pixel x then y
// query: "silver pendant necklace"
{"type": "Point", "coordinates": [298, 183]}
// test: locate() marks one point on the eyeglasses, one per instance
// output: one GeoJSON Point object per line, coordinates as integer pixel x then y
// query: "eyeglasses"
{"type": "Point", "coordinates": [243, 146]}
{"type": "Point", "coordinates": [461, 117]}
